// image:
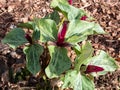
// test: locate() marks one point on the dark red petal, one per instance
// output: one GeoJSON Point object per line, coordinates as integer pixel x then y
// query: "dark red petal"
{"type": "Point", "coordinates": [61, 34]}
{"type": "Point", "coordinates": [83, 18]}
{"type": "Point", "coordinates": [70, 2]}
{"type": "Point", "coordinates": [93, 68]}
{"type": "Point", "coordinates": [64, 44]}
{"type": "Point", "coordinates": [28, 37]}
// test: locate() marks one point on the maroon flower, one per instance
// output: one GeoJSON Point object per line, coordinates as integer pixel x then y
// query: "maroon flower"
{"type": "Point", "coordinates": [83, 18]}
{"type": "Point", "coordinates": [61, 35]}
{"type": "Point", "coordinates": [28, 37]}
{"type": "Point", "coordinates": [93, 68]}
{"type": "Point", "coordinates": [70, 2]}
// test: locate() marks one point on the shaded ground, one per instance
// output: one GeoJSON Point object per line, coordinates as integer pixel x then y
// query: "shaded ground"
{"type": "Point", "coordinates": [106, 12]}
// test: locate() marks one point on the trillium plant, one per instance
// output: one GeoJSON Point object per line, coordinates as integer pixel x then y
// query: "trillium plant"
{"type": "Point", "coordinates": [52, 36]}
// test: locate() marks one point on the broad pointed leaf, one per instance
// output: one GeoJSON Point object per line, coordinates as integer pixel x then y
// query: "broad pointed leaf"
{"type": "Point", "coordinates": [69, 11]}
{"type": "Point", "coordinates": [85, 53]}
{"type": "Point", "coordinates": [59, 62]}
{"type": "Point", "coordinates": [15, 38]}
{"type": "Point", "coordinates": [87, 84]}
{"type": "Point", "coordinates": [33, 53]}
{"type": "Point", "coordinates": [76, 39]}
{"type": "Point", "coordinates": [103, 60]}
{"type": "Point", "coordinates": [48, 29]}
{"type": "Point", "coordinates": [98, 29]}
{"type": "Point", "coordinates": [28, 25]}
{"type": "Point", "coordinates": [75, 80]}
{"type": "Point", "coordinates": [31, 25]}
{"type": "Point", "coordinates": [81, 29]}
{"type": "Point", "coordinates": [78, 28]}
{"type": "Point", "coordinates": [54, 16]}
{"type": "Point", "coordinates": [70, 79]}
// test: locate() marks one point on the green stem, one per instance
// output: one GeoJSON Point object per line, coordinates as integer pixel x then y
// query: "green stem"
{"type": "Point", "coordinates": [79, 63]}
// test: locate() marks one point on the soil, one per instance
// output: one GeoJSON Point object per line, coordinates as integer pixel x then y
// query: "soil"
{"type": "Point", "coordinates": [12, 12]}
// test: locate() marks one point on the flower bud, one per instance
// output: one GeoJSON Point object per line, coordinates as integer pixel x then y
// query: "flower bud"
{"type": "Point", "coordinates": [28, 37]}
{"type": "Point", "coordinates": [61, 33]}
{"type": "Point", "coordinates": [70, 2]}
{"type": "Point", "coordinates": [93, 68]}
{"type": "Point", "coordinates": [83, 18]}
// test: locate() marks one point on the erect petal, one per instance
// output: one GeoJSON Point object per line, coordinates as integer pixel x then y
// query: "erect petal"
{"type": "Point", "coordinates": [28, 37]}
{"type": "Point", "coordinates": [83, 18]}
{"type": "Point", "coordinates": [70, 2]}
{"type": "Point", "coordinates": [93, 68]}
{"type": "Point", "coordinates": [62, 32]}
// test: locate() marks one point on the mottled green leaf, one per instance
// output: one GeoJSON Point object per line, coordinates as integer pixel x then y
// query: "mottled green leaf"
{"type": "Point", "coordinates": [78, 30]}
{"type": "Point", "coordinates": [32, 26]}
{"type": "Point", "coordinates": [98, 29]}
{"type": "Point", "coordinates": [33, 53]}
{"type": "Point", "coordinates": [15, 38]}
{"type": "Point", "coordinates": [59, 62]}
{"type": "Point", "coordinates": [48, 29]}
{"type": "Point", "coordinates": [76, 39]}
{"type": "Point", "coordinates": [70, 79]}
{"type": "Point", "coordinates": [68, 10]}
{"type": "Point", "coordinates": [54, 16]}
{"type": "Point", "coordinates": [85, 53]}
{"type": "Point", "coordinates": [87, 84]}
{"type": "Point", "coordinates": [75, 80]}
{"type": "Point", "coordinates": [103, 60]}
